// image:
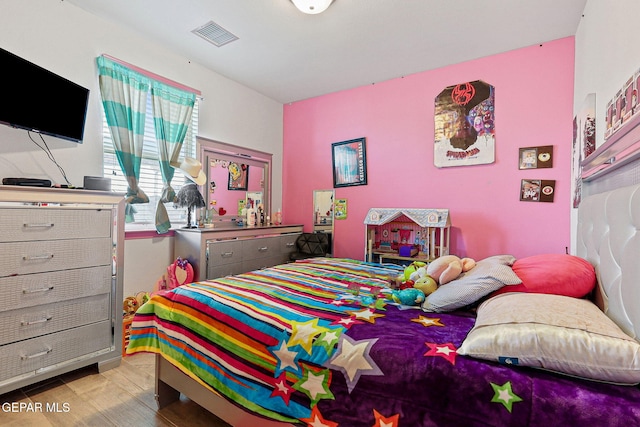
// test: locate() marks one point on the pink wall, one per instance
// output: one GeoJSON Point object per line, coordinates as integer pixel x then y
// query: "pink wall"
{"type": "Point", "coordinates": [533, 107]}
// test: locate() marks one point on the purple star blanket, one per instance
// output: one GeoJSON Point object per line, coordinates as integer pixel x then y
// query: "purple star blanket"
{"type": "Point", "coordinates": [319, 342]}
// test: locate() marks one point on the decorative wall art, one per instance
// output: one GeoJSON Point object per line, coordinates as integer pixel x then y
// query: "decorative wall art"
{"type": "Point", "coordinates": [623, 106]}
{"type": "Point", "coordinates": [536, 157]}
{"type": "Point", "coordinates": [584, 143]}
{"type": "Point", "coordinates": [349, 163]}
{"type": "Point", "coordinates": [340, 207]}
{"type": "Point", "coordinates": [238, 176]}
{"type": "Point", "coordinates": [464, 125]}
{"type": "Point", "coordinates": [537, 190]}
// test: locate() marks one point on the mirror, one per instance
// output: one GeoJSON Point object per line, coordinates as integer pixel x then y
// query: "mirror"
{"type": "Point", "coordinates": [323, 213]}
{"type": "Point", "coordinates": [235, 176]}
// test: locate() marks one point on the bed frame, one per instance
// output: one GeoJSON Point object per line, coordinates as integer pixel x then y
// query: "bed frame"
{"type": "Point", "coordinates": [607, 236]}
{"type": "Point", "coordinates": [170, 382]}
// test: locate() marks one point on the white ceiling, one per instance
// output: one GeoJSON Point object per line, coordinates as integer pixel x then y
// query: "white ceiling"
{"type": "Point", "coordinates": [289, 56]}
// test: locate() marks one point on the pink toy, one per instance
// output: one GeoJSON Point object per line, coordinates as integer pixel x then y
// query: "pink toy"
{"type": "Point", "coordinates": [449, 267]}
{"type": "Point", "coordinates": [178, 273]}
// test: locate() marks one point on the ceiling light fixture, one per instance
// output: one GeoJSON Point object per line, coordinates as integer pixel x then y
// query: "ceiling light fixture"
{"type": "Point", "coordinates": [312, 7]}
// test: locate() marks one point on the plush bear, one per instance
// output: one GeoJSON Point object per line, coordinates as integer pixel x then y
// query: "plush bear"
{"type": "Point", "coordinates": [448, 267]}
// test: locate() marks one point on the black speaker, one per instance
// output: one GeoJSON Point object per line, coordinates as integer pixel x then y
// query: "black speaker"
{"type": "Point", "coordinates": [97, 183]}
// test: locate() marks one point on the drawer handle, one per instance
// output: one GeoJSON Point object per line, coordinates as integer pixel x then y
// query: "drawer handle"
{"type": "Point", "coordinates": [290, 244]}
{"type": "Point", "coordinates": [44, 225]}
{"type": "Point", "coordinates": [36, 257]}
{"type": "Point", "coordinates": [263, 249]}
{"type": "Point", "coordinates": [226, 254]}
{"type": "Point", "coordinates": [35, 322]}
{"type": "Point", "coordinates": [33, 356]}
{"type": "Point", "coordinates": [33, 291]}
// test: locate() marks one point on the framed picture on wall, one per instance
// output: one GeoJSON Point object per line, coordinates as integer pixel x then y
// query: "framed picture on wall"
{"type": "Point", "coordinates": [536, 157]}
{"type": "Point", "coordinates": [238, 176]}
{"type": "Point", "coordinates": [349, 162]}
{"type": "Point", "coordinates": [537, 190]}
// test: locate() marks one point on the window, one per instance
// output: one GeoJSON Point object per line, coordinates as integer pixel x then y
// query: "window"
{"type": "Point", "coordinates": [150, 176]}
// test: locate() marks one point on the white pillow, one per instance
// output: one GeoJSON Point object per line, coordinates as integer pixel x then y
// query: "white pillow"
{"type": "Point", "coordinates": [553, 332]}
{"type": "Point", "coordinates": [488, 275]}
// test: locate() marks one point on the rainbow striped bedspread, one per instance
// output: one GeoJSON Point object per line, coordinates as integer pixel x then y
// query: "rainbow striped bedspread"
{"type": "Point", "coordinates": [317, 343]}
{"type": "Point", "coordinates": [263, 338]}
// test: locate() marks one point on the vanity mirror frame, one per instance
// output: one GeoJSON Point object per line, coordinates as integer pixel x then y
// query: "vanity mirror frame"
{"type": "Point", "coordinates": [209, 149]}
{"type": "Point", "coordinates": [324, 223]}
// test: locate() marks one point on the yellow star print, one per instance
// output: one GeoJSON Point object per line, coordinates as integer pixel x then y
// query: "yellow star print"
{"type": "Point", "coordinates": [428, 321]}
{"type": "Point", "coordinates": [304, 333]}
{"type": "Point", "coordinates": [366, 314]}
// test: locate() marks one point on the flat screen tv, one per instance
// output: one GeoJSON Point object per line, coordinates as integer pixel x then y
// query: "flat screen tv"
{"type": "Point", "coordinates": [41, 101]}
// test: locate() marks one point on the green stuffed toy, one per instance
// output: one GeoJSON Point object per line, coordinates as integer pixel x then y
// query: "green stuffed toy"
{"type": "Point", "coordinates": [415, 276]}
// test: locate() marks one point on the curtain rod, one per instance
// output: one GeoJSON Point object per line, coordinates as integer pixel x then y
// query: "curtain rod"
{"type": "Point", "coordinates": [154, 75]}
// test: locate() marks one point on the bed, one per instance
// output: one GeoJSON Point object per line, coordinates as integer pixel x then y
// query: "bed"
{"type": "Point", "coordinates": [550, 339]}
{"type": "Point", "coordinates": [318, 342]}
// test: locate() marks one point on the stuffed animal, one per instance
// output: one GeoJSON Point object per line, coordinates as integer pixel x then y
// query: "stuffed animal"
{"type": "Point", "coordinates": [448, 267]}
{"type": "Point", "coordinates": [409, 296]}
{"type": "Point", "coordinates": [415, 270]}
{"type": "Point", "coordinates": [129, 306]}
{"type": "Point", "coordinates": [415, 276]}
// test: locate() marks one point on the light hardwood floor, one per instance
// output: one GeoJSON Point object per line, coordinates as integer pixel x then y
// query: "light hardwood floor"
{"type": "Point", "coordinates": [123, 396]}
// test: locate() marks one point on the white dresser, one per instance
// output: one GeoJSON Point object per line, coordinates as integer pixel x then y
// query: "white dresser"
{"type": "Point", "coordinates": [61, 258]}
{"type": "Point", "coordinates": [218, 252]}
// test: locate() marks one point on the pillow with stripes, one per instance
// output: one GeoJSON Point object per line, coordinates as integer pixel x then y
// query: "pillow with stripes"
{"type": "Point", "coordinates": [488, 275]}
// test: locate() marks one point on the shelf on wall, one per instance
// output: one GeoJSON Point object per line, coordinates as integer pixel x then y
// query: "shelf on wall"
{"type": "Point", "coordinates": [621, 148]}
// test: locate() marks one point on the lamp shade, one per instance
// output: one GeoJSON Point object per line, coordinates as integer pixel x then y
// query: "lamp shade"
{"type": "Point", "coordinates": [189, 197]}
{"type": "Point", "coordinates": [312, 7]}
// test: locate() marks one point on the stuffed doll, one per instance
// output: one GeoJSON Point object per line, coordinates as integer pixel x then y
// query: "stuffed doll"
{"type": "Point", "coordinates": [408, 296]}
{"type": "Point", "coordinates": [449, 267]}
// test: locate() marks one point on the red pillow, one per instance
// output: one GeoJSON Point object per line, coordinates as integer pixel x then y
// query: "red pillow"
{"type": "Point", "coordinates": [558, 274]}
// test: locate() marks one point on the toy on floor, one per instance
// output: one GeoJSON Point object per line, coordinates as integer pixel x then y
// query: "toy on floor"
{"type": "Point", "coordinates": [131, 304]}
{"type": "Point", "coordinates": [178, 273]}
{"type": "Point", "coordinates": [448, 267]}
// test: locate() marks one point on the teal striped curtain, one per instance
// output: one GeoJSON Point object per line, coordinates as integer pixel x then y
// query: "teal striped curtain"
{"type": "Point", "coordinates": [172, 109]}
{"type": "Point", "coordinates": [124, 96]}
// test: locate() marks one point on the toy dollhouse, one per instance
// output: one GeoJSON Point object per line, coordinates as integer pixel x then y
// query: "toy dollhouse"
{"type": "Point", "coordinates": [406, 235]}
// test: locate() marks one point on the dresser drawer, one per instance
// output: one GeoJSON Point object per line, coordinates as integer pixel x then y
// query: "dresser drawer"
{"type": "Point", "coordinates": [43, 288]}
{"type": "Point", "coordinates": [45, 223]}
{"type": "Point", "coordinates": [263, 247]}
{"type": "Point", "coordinates": [216, 271]}
{"type": "Point", "coordinates": [54, 255]}
{"type": "Point", "coordinates": [288, 243]}
{"type": "Point", "coordinates": [259, 263]}
{"type": "Point", "coordinates": [226, 252]}
{"type": "Point", "coordinates": [24, 323]}
{"type": "Point", "coordinates": [37, 353]}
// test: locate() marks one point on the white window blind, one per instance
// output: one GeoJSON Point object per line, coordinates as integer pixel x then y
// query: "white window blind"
{"type": "Point", "coordinates": [150, 175]}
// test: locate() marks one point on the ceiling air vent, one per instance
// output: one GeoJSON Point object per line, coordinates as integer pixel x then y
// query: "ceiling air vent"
{"type": "Point", "coordinates": [214, 33]}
